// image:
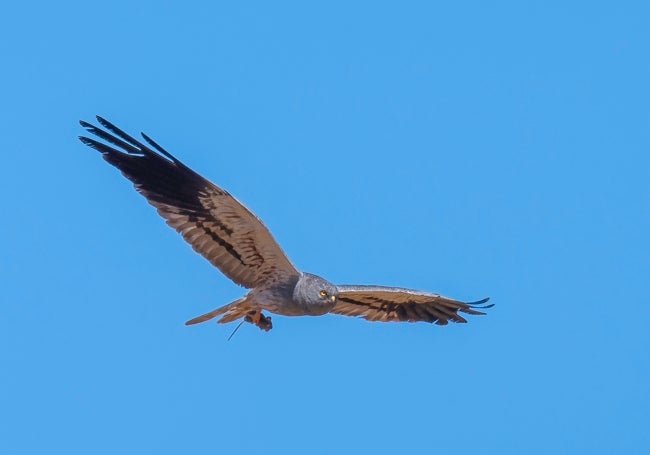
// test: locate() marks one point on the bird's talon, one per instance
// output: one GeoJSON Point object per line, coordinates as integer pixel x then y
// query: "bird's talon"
{"type": "Point", "coordinates": [260, 320]}
{"type": "Point", "coordinates": [265, 323]}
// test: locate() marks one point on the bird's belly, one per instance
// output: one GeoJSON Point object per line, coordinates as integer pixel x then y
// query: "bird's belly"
{"type": "Point", "coordinates": [298, 309]}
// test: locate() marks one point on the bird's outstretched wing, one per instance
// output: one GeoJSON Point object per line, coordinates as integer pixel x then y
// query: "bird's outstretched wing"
{"type": "Point", "coordinates": [380, 303]}
{"type": "Point", "coordinates": [213, 222]}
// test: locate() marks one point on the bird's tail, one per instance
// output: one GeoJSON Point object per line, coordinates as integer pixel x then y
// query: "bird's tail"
{"type": "Point", "coordinates": [232, 311]}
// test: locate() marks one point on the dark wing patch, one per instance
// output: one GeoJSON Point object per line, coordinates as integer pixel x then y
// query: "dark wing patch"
{"type": "Point", "coordinates": [381, 303]}
{"type": "Point", "coordinates": [213, 222]}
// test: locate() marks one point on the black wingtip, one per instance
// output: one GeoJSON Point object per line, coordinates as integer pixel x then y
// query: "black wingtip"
{"type": "Point", "coordinates": [479, 303]}
{"type": "Point", "coordinates": [101, 148]}
{"type": "Point", "coordinates": [87, 141]}
{"type": "Point", "coordinates": [124, 142]}
{"type": "Point", "coordinates": [105, 123]}
{"type": "Point", "coordinates": [155, 145]}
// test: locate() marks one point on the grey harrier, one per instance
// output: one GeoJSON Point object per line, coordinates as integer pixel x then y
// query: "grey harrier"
{"type": "Point", "coordinates": [234, 240]}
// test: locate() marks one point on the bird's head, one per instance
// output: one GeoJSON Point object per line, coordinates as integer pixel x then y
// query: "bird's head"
{"type": "Point", "coordinates": [317, 294]}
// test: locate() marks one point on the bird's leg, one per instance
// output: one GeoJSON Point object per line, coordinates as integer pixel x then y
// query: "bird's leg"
{"type": "Point", "coordinates": [256, 317]}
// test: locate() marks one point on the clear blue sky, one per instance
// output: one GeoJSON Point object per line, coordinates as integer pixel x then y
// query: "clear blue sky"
{"type": "Point", "coordinates": [470, 149]}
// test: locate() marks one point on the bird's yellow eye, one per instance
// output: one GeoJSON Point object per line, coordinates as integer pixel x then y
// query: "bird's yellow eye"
{"type": "Point", "coordinates": [323, 293]}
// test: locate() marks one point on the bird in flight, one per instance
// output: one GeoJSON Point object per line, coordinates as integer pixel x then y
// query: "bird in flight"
{"type": "Point", "coordinates": [233, 239]}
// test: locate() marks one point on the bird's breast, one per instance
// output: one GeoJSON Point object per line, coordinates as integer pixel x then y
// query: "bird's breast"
{"type": "Point", "coordinates": [292, 308]}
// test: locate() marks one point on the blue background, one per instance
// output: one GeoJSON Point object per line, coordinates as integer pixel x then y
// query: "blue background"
{"type": "Point", "coordinates": [478, 148]}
